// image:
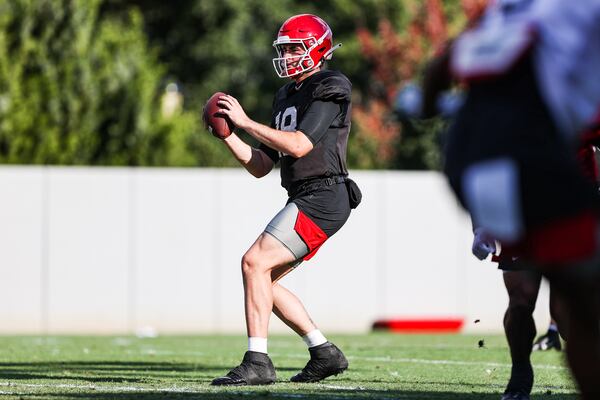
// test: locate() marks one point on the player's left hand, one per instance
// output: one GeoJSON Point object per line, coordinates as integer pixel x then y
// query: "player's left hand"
{"type": "Point", "coordinates": [483, 244]}
{"type": "Point", "coordinates": [409, 101]}
{"type": "Point", "coordinates": [232, 108]}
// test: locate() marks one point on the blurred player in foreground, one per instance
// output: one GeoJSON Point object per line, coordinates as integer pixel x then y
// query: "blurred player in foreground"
{"type": "Point", "coordinates": [522, 285]}
{"type": "Point", "coordinates": [521, 282]}
{"type": "Point", "coordinates": [308, 136]}
{"type": "Point", "coordinates": [531, 69]}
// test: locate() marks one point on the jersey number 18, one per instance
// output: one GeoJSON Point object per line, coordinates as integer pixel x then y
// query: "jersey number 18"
{"type": "Point", "coordinates": [288, 121]}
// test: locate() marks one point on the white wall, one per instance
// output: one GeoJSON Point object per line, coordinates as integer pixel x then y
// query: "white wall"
{"type": "Point", "coordinates": [114, 250]}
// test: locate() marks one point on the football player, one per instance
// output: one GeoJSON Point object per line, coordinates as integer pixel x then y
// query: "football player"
{"type": "Point", "coordinates": [509, 158]}
{"type": "Point", "coordinates": [308, 136]}
{"type": "Point", "coordinates": [522, 286]}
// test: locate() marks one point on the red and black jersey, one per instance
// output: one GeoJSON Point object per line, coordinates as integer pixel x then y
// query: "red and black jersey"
{"type": "Point", "coordinates": [550, 208]}
{"type": "Point", "coordinates": [320, 107]}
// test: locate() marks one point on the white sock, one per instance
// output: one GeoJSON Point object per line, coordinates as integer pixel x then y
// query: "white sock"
{"type": "Point", "coordinates": [553, 328]}
{"type": "Point", "coordinates": [257, 344]}
{"type": "Point", "coordinates": [314, 338]}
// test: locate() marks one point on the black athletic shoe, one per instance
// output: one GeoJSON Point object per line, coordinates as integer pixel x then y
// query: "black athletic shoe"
{"type": "Point", "coordinates": [520, 383]}
{"type": "Point", "coordinates": [549, 341]}
{"type": "Point", "coordinates": [325, 360]}
{"type": "Point", "coordinates": [255, 369]}
{"type": "Point", "coordinates": [515, 396]}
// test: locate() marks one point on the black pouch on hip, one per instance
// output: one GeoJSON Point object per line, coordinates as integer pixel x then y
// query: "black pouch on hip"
{"type": "Point", "coordinates": [354, 193]}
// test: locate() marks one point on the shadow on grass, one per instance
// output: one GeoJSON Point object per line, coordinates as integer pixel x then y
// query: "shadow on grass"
{"type": "Point", "coordinates": [323, 394]}
{"type": "Point", "coordinates": [114, 371]}
{"type": "Point", "coordinates": [104, 371]}
{"type": "Point", "coordinates": [112, 366]}
{"type": "Point", "coordinates": [67, 380]}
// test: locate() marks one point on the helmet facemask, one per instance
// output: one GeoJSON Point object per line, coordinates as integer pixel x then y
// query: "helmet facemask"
{"type": "Point", "coordinates": [292, 65]}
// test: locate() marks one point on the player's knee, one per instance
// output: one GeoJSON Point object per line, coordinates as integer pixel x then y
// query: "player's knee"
{"type": "Point", "coordinates": [251, 264]}
{"type": "Point", "coordinates": [524, 298]}
{"type": "Point", "coordinates": [524, 308]}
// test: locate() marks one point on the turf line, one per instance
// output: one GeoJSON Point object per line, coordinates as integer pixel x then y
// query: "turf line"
{"type": "Point", "coordinates": [435, 362]}
{"type": "Point", "coordinates": [200, 389]}
{"type": "Point", "coordinates": [96, 387]}
{"type": "Point", "coordinates": [454, 362]}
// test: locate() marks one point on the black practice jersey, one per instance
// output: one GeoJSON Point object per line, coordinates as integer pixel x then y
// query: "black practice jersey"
{"type": "Point", "coordinates": [320, 107]}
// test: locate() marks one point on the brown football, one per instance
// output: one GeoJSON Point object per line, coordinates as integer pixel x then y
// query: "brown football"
{"type": "Point", "coordinates": [217, 124]}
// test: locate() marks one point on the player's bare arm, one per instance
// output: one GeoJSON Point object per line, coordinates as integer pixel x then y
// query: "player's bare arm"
{"type": "Point", "coordinates": [294, 143]}
{"type": "Point", "coordinates": [254, 160]}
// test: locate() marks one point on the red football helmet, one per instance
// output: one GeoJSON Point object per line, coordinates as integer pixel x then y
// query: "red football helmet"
{"type": "Point", "coordinates": [309, 32]}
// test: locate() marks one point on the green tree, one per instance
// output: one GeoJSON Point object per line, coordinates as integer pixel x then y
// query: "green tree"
{"type": "Point", "coordinates": [61, 79]}
{"type": "Point", "coordinates": [77, 88]}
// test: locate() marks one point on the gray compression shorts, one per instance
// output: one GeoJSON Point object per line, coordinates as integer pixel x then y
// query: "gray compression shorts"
{"type": "Point", "coordinates": [281, 228]}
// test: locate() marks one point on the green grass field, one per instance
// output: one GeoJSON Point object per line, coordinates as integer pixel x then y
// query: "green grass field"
{"type": "Point", "coordinates": [382, 366]}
